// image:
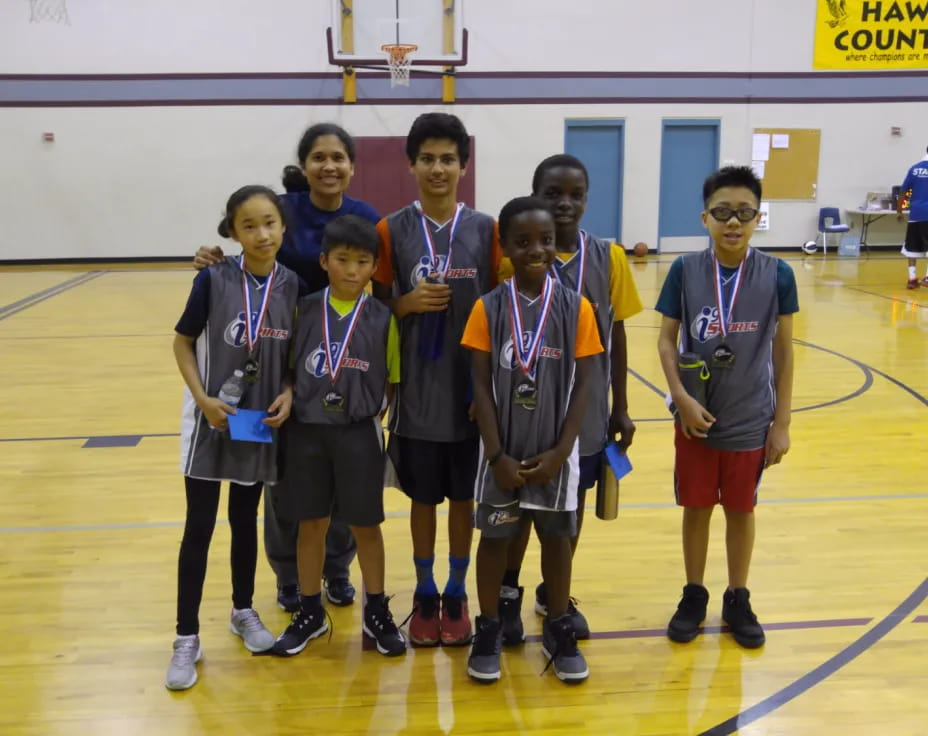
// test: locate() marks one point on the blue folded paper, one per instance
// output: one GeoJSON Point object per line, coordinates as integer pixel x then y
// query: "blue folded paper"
{"type": "Point", "coordinates": [618, 461]}
{"type": "Point", "coordinates": [246, 426]}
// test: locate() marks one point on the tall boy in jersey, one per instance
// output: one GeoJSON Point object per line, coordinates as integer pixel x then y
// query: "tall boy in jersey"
{"type": "Point", "coordinates": [733, 307]}
{"type": "Point", "coordinates": [437, 257]}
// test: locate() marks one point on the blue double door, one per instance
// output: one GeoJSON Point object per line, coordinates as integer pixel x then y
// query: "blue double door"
{"type": "Point", "coordinates": [689, 153]}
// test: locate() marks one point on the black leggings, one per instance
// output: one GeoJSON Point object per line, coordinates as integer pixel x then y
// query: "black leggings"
{"type": "Point", "coordinates": [202, 505]}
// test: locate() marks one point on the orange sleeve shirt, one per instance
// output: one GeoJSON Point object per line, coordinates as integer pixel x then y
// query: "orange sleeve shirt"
{"type": "Point", "coordinates": [477, 331]}
{"type": "Point", "coordinates": [384, 272]}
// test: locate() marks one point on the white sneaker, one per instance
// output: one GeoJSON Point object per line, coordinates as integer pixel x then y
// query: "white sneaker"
{"type": "Point", "coordinates": [246, 624]}
{"type": "Point", "coordinates": [182, 672]}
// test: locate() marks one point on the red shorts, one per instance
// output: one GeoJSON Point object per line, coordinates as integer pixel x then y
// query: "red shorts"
{"type": "Point", "coordinates": [703, 477]}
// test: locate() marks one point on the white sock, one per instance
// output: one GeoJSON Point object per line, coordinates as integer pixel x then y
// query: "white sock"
{"type": "Point", "coordinates": [912, 273]}
{"type": "Point", "coordinates": [509, 593]}
{"type": "Point", "coordinates": [184, 637]}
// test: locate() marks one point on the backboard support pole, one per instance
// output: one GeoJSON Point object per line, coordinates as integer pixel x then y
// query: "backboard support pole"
{"type": "Point", "coordinates": [447, 43]}
{"type": "Point", "coordinates": [349, 78]}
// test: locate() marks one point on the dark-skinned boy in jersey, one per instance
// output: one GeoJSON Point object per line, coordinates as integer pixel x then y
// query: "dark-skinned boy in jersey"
{"type": "Point", "coordinates": [437, 256]}
{"type": "Point", "coordinates": [732, 306]}
{"type": "Point", "coordinates": [597, 269]}
{"type": "Point", "coordinates": [533, 341]}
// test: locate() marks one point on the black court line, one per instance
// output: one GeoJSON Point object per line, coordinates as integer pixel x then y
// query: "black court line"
{"type": "Point", "coordinates": [30, 301]}
{"type": "Point", "coordinates": [826, 669]}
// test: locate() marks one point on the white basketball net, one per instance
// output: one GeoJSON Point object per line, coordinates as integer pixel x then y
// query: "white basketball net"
{"type": "Point", "coordinates": [399, 60]}
{"type": "Point", "coordinates": [49, 11]}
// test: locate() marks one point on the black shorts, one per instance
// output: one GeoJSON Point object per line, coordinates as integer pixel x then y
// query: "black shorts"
{"type": "Point", "coordinates": [503, 522]}
{"type": "Point", "coordinates": [323, 466]}
{"type": "Point", "coordinates": [916, 240]}
{"type": "Point", "coordinates": [429, 472]}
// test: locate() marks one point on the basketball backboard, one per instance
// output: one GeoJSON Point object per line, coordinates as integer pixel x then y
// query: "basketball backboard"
{"type": "Point", "coordinates": [361, 27]}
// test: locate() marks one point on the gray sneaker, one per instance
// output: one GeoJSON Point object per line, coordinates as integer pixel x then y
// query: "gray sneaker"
{"type": "Point", "coordinates": [559, 645]}
{"type": "Point", "coordinates": [483, 663]}
{"type": "Point", "coordinates": [182, 672]}
{"type": "Point", "coordinates": [246, 624]}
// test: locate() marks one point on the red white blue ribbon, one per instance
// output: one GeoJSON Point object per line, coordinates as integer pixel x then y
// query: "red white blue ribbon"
{"type": "Point", "coordinates": [253, 330]}
{"type": "Point", "coordinates": [335, 359]}
{"type": "Point", "coordinates": [723, 309]}
{"type": "Point", "coordinates": [527, 353]}
{"type": "Point", "coordinates": [430, 244]}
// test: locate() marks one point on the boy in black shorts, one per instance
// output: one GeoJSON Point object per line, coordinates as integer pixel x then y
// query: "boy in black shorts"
{"type": "Point", "coordinates": [346, 349]}
{"type": "Point", "coordinates": [437, 256]}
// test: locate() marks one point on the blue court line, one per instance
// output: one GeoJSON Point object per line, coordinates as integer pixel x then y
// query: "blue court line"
{"type": "Point", "coordinates": [833, 623]}
{"type": "Point", "coordinates": [826, 669]}
{"type": "Point", "coordinates": [40, 296]}
{"type": "Point", "coordinates": [405, 514]}
{"type": "Point", "coordinates": [98, 440]}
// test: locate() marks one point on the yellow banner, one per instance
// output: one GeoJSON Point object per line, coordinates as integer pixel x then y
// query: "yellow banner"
{"type": "Point", "coordinates": [871, 34]}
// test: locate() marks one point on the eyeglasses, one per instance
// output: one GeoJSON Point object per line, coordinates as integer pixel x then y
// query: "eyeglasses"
{"type": "Point", "coordinates": [724, 214]}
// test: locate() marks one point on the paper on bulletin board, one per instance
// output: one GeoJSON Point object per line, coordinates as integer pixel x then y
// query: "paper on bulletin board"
{"type": "Point", "coordinates": [780, 140]}
{"type": "Point", "coordinates": [759, 167]}
{"type": "Point", "coordinates": [760, 147]}
{"type": "Point", "coordinates": [764, 223]}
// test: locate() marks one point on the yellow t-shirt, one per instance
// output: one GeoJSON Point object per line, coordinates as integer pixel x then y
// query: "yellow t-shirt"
{"type": "Point", "coordinates": [343, 307]}
{"type": "Point", "coordinates": [623, 293]}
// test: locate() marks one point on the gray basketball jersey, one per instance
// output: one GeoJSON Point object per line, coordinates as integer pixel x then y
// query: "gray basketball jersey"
{"type": "Point", "coordinates": [363, 376]}
{"type": "Point", "coordinates": [525, 433]}
{"type": "Point", "coordinates": [742, 397]}
{"type": "Point", "coordinates": [595, 287]}
{"type": "Point", "coordinates": [221, 349]}
{"type": "Point", "coordinates": [432, 399]}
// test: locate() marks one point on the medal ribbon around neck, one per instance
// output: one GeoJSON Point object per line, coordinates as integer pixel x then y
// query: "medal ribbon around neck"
{"type": "Point", "coordinates": [430, 244]}
{"type": "Point", "coordinates": [252, 330]}
{"type": "Point", "coordinates": [725, 312]}
{"type": "Point", "coordinates": [527, 355]}
{"type": "Point", "coordinates": [581, 250]}
{"type": "Point", "coordinates": [333, 363]}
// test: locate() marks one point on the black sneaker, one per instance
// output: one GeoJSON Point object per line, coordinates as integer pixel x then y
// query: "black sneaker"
{"type": "Point", "coordinates": [737, 613]}
{"type": "Point", "coordinates": [483, 662]}
{"type": "Point", "coordinates": [559, 645]}
{"type": "Point", "coordinates": [302, 629]}
{"type": "Point", "coordinates": [577, 619]}
{"type": "Point", "coordinates": [339, 591]}
{"type": "Point", "coordinates": [691, 612]}
{"type": "Point", "coordinates": [378, 625]}
{"type": "Point", "coordinates": [288, 598]}
{"type": "Point", "coordinates": [510, 616]}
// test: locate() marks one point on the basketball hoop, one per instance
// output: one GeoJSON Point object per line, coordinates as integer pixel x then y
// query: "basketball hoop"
{"type": "Point", "coordinates": [399, 62]}
{"type": "Point", "coordinates": [49, 11]}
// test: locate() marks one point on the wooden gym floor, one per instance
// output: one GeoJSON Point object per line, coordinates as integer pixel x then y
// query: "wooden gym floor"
{"type": "Point", "coordinates": [93, 509]}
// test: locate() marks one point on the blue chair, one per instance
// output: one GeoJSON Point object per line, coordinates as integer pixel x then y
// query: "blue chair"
{"type": "Point", "coordinates": [824, 227]}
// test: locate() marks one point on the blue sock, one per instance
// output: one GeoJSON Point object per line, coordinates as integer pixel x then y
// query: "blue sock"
{"type": "Point", "coordinates": [425, 580]}
{"type": "Point", "coordinates": [458, 571]}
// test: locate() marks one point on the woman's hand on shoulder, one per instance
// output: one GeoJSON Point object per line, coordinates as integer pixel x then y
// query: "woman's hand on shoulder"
{"type": "Point", "coordinates": [207, 256]}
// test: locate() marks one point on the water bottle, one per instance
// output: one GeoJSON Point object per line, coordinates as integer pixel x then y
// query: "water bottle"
{"type": "Point", "coordinates": [233, 389]}
{"type": "Point", "coordinates": [432, 330]}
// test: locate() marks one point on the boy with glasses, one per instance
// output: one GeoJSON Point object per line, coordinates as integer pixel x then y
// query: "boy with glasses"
{"type": "Point", "coordinates": [730, 306]}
